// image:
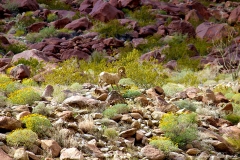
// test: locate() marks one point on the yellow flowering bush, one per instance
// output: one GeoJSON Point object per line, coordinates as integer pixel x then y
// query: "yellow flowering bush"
{"type": "Point", "coordinates": [4, 81]}
{"type": "Point", "coordinates": [37, 123]}
{"type": "Point", "coordinates": [164, 144]}
{"type": "Point", "coordinates": [180, 128]}
{"type": "Point", "coordinates": [29, 82]}
{"type": "Point", "coordinates": [24, 96]}
{"type": "Point", "coordinates": [22, 137]}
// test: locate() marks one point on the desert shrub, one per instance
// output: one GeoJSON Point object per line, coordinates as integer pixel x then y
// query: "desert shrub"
{"type": "Point", "coordinates": [37, 123]}
{"type": "Point", "coordinates": [223, 89]}
{"type": "Point", "coordinates": [76, 87]}
{"type": "Point", "coordinates": [234, 118]}
{"type": "Point", "coordinates": [234, 140]}
{"type": "Point", "coordinates": [187, 104]}
{"type": "Point", "coordinates": [236, 98]}
{"type": "Point", "coordinates": [87, 124]}
{"type": "Point", "coordinates": [54, 5]}
{"type": "Point", "coordinates": [29, 82]}
{"type": "Point", "coordinates": [164, 144]}
{"type": "Point", "coordinates": [131, 94]}
{"type": "Point", "coordinates": [58, 95]}
{"type": "Point", "coordinates": [171, 89]}
{"type": "Point", "coordinates": [16, 48]}
{"type": "Point", "coordinates": [152, 42]}
{"type": "Point", "coordinates": [11, 6]}
{"type": "Point", "coordinates": [12, 87]}
{"type": "Point", "coordinates": [34, 64]}
{"type": "Point", "coordinates": [52, 17]}
{"type": "Point", "coordinates": [44, 33]}
{"type": "Point", "coordinates": [3, 100]}
{"type": "Point", "coordinates": [24, 96]}
{"type": "Point", "coordinates": [112, 28]}
{"type": "Point", "coordinates": [22, 137]}
{"type": "Point", "coordinates": [110, 133]}
{"type": "Point", "coordinates": [180, 128]}
{"type": "Point", "coordinates": [98, 56]}
{"type": "Point", "coordinates": [126, 82]}
{"type": "Point", "coordinates": [144, 16]}
{"type": "Point", "coordinates": [41, 108]}
{"type": "Point", "coordinates": [116, 109]}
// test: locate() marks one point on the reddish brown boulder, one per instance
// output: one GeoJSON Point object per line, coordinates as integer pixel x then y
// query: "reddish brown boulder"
{"type": "Point", "coordinates": [51, 146]}
{"type": "Point", "coordinates": [129, 3]}
{"type": "Point", "coordinates": [234, 16]}
{"type": "Point", "coordinates": [211, 31]}
{"type": "Point", "coordinates": [5, 61]}
{"type": "Point", "coordinates": [51, 48]}
{"type": "Point", "coordinates": [61, 22]}
{"type": "Point", "coordinates": [36, 27]}
{"type": "Point", "coordinates": [219, 14]}
{"type": "Point", "coordinates": [74, 53]}
{"type": "Point", "coordinates": [38, 46]}
{"type": "Point", "coordinates": [105, 12]}
{"type": "Point", "coordinates": [4, 41]}
{"type": "Point", "coordinates": [63, 13]}
{"type": "Point", "coordinates": [86, 6]}
{"type": "Point", "coordinates": [171, 64]}
{"type": "Point", "coordinates": [148, 30]}
{"type": "Point", "coordinates": [8, 123]}
{"type": "Point", "coordinates": [20, 72]}
{"type": "Point", "coordinates": [152, 153]}
{"type": "Point", "coordinates": [27, 5]}
{"type": "Point", "coordinates": [113, 42]}
{"type": "Point", "coordinates": [138, 41]}
{"type": "Point", "coordinates": [181, 26]}
{"type": "Point", "coordinates": [82, 23]}
{"type": "Point", "coordinates": [193, 15]}
{"type": "Point", "coordinates": [200, 8]}
{"type": "Point", "coordinates": [153, 55]}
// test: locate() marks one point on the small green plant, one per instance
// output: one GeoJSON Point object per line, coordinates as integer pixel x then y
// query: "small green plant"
{"type": "Point", "coordinates": [236, 98]}
{"type": "Point", "coordinates": [76, 87]}
{"type": "Point", "coordinates": [24, 96]}
{"type": "Point", "coordinates": [164, 144]}
{"type": "Point", "coordinates": [41, 108]}
{"type": "Point", "coordinates": [55, 5]}
{"type": "Point", "coordinates": [11, 6]}
{"type": "Point", "coordinates": [112, 28]}
{"type": "Point", "coordinates": [34, 64]}
{"type": "Point", "coordinates": [234, 140]}
{"type": "Point", "coordinates": [29, 82]}
{"type": "Point", "coordinates": [3, 100]}
{"type": "Point", "coordinates": [172, 88]}
{"type": "Point", "coordinates": [58, 95]}
{"type": "Point", "coordinates": [110, 133]}
{"type": "Point", "coordinates": [234, 118]}
{"type": "Point", "coordinates": [180, 128]}
{"type": "Point", "coordinates": [186, 104]}
{"type": "Point", "coordinates": [37, 123]}
{"type": "Point", "coordinates": [22, 137]}
{"type": "Point", "coordinates": [52, 17]}
{"type": "Point", "coordinates": [131, 94]}
{"type": "Point", "coordinates": [116, 109]}
{"type": "Point", "coordinates": [12, 87]}
{"type": "Point", "coordinates": [16, 48]}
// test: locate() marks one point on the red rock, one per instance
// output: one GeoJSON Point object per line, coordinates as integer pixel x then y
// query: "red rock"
{"type": "Point", "coordinates": [152, 153]}
{"type": "Point", "coordinates": [54, 41]}
{"type": "Point", "coordinates": [4, 41]}
{"type": "Point", "coordinates": [130, 3]}
{"type": "Point", "coordinates": [27, 5]}
{"type": "Point", "coordinates": [153, 55]}
{"type": "Point", "coordinates": [128, 133]}
{"type": "Point", "coordinates": [211, 31]}
{"type": "Point", "coordinates": [193, 15]}
{"type": "Point", "coordinates": [36, 27]}
{"type": "Point", "coordinates": [38, 46]}
{"type": "Point", "coordinates": [51, 146]}
{"type": "Point", "coordinates": [105, 12]}
{"type": "Point", "coordinates": [4, 61]}
{"type": "Point", "coordinates": [200, 8]}
{"type": "Point", "coordinates": [234, 16]}
{"type": "Point", "coordinates": [221, 98]}
{"type": "Point", "coordinates": [20, 72]}
{"type": "Point", "coordinates": [79, 24]}
{"type": "Point", "coordinates": [148, 30]}
{"type": "Point", "coordinates": [9, 123]}
{"type": "Point", "coordinates": [51, 48]}
{"type": "Point", "coordinates": [86, 6]}
{"type": "Point", "coordinates": [228, 108]}
{"type": "Point", "coordinates": [113, 42]}
{"type": "Point", "coordinates": [74, 53]}
{"type": "Point", "coordinates": [63, 13]}
{"type": "Point", "coordinates": [219, 14]}
{"type": "Point", "coordinates": [61, 22]}
{"type": "Point", "coordinates": [129, 23]}
{"type": "Point", "coordinates": [138, 41]}
{"type": "Point", "coordinates": [181, 26]}
{"type": "Point", "coordinates": [171, 64]}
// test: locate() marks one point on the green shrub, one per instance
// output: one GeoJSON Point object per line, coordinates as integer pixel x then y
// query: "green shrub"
{"type": "Point", "coordinates": [24, 96]}
{"type": "Point", "coordinates": [54, 5]}
{"type": "Point", "coordinates": [172, 88]}
{"type": "Point", "coordinates": [3, 100]}
{"type": "Point", "coordinates": [29, 82]}
{"type": "Point", "coordinates": [152, 43]}
{"type": "Point", "coordinates": [112, 28]}
{"type": "Point", "coordinates": [58, 95]}
{"type": "Point", "coordinates": [12, 87]}
{"type": "Point", "coordinates": [116, 109]}
{"type": "Point", "coordinates": [234, 118]}
{"type": "Point", "coordinates": [110, 133]}
{"type": "Point", "coordinates": [76, 87]}
{"type": "Point", "coordinates": [22, 137]}
{"type": "Point", "coordinates": [236, 98]}
{"type": "Point", "coordinates": [97, 57]}
{"type": "Point", "coordinates": [164, 144]}
{"type": "Point", "coordinates": [16, 48]}
{"type": "Point", "coordinates": [34, 64]}
{"type": "Point", "coordinates": [234, 140]}
{"type": "Point", "coordinates": [180, 128]}
{"type": "Point", "coordinates": [131, 94]}
{"type": "Point", "coordinates": [41, 109]}
{"type": "Point", "coordinates": [4, 81]}
{"type": "Point", "coordinates": [37, 123]}
{"type": "Point", "coordinates": [126, 82]}
{"type": "Point", "coordinates": [52, 17]}
{"type": "Point", "coordinates": [187, 104]}
{"type": "Point", "coordinates": [11, 6]}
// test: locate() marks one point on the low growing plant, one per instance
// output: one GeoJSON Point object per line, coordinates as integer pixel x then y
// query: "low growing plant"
{"type": "Point", "coordinates": [171, 89]}
{"type": "Point", "coordinates": [110, 133]}
{"type": "Point", "coordinates": [187, 104]}
{"type": "Point", "coordinates": [34, 64]}
{"type": "Point", "coordinates": [22, 137]}
{"type": "Point", "coordinates": [180, 128]}
{"type": "Point", "coordinates": [52, 17]}
{"type": "Point", "coordinates": [234, 118]}
{"type": "Point", "coordinates": [24, 96]}
{"type": "Point", "coordinates": [41, 108]}
{"type": "Point", "coordinates": [116, 109]}
{"type": "Point", "coordinates": [164, 144]}
{"type": "Point", "coordinates": [234, 140]}
{"type": "Point", "coordinates": [37, 123]}
{"type": "Point", "coordinates": [131, 94]}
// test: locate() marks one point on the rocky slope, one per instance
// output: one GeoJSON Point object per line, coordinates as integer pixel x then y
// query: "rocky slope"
{"type": "Point", "coordinates": [79, 122]}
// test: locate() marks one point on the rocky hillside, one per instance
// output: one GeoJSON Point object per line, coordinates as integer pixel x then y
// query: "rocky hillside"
{"type": "Point", "coordinates": [172, 93]}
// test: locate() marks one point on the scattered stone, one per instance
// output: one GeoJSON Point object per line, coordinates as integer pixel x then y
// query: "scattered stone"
{"type": "Point", "coordinates": [8, 123]}
{"type": "Point", "coordinates": [21, 154]}
{"type": "Point", "coordinates": [81, 102]}
{"type": "Point", "coordinates": [4, 156]}
{"type": "Point", "coordinates": [114, 98]}
{"type": "Point", "coordinates": [51, 146]}
{"type": "Point", "coordinates": [128, 133]}
{"type": "Point", "coordinates": [193, 151]}
{"type": "Point", "coordinates": [20, 72]}
{"type": "Point", "coordinates": [152, 153]}
{"type": "Point", "coordinates": [71, 154]}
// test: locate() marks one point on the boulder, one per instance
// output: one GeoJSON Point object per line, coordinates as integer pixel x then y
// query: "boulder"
{"type": "Point", "coordinates": [36, 27]}
{"type": "Point", "coordinates": [114, 98]}
{"type": "Point", "coordinates": [136, 42]}
{"type": "Point", "coordinates": [4, 156]}
{"type": "Point", "coordinates": [4, 61]}
{"type": "Point", "coordinates": [20, 154]}
{"type": "Point", "coordinates": [71, 153]}
{"type": "Point", "coordinates": [86, 6]}
{"type": "Point", "coordinates": [79, 24]}
{"type": "Point", "coordinates": [74, 53]}
{"type": "Point", "coordinates": [234, 16]}
{"type": "Point", "coordinates": [51, 48]}
{"type": "Point", "coordinates": [193, 15]}
{"type": "Point", "coordinates": [211, 31]}
{"type": "Point", "coordinates": [48, 91]}
{"type": "Point", "coordinates": [82, 102]}
{"type": "Point", "coordinates": [113, 42]}
{"type": "Point", "coordinates": [9, 124]}
{"type": "Point", "coordinates": [219, 14]}
{"type": "Point", "coordinates": [200, 8]}
{"type": "Point", "coordinates": [181, 26]}
{"type": "Point", "coordinates": [92, 146]}
{"type": "Point", "coordinates": [51, 146]}
{"type": "Point", "coordinates": [152, 153]}
{"type": "Point", "coordinates": [105, 12]}
{"type": "Point", "coordinates": [129, 3]}
{"type": "Point", "coordinates": [27, 5]}
{"type": "Point", "coordinates": [128, 133]}
{"type": "Point", "coordinates": [20, 72]}
{"type": "Point", "coordinates": [28, 54]}
{"type": "Point", "coordinates": [4, 41]}
{"type": "Point", "coordinates": [147, 30]}
{"type": "Point", "coordinates": [60, 23]}
{"type": "Point", "coordinates": [153, 55]}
